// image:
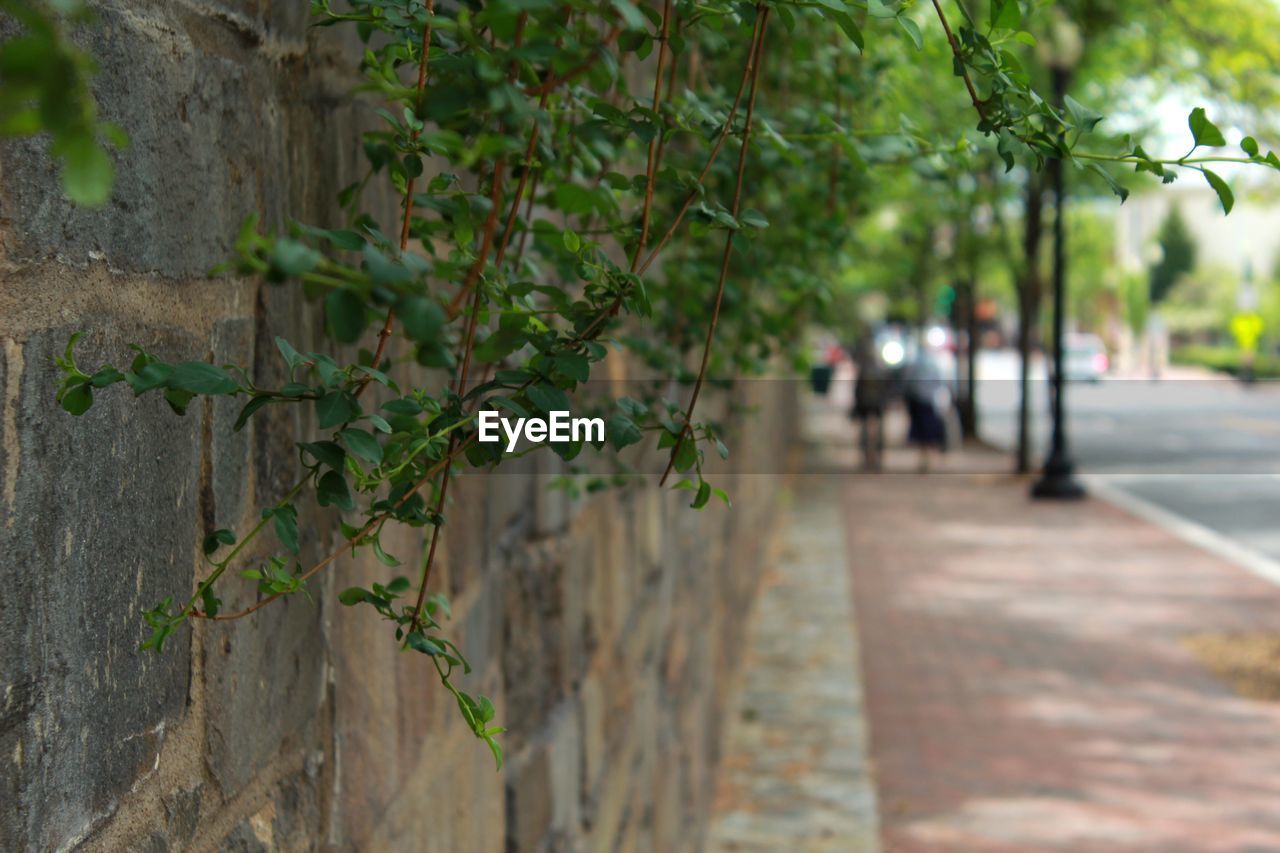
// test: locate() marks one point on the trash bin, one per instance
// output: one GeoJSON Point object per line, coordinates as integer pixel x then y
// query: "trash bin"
{"type": "Point", "coordinates": [820, 378]}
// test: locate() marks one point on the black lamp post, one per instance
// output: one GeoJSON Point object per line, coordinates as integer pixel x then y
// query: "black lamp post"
{"type": "Point", "coordinates": [1057, 481]}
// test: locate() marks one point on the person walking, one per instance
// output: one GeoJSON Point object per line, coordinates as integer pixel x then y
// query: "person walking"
{"type": "Point", "coordinates": [869, 393]}
{"type": "Point", "coordinates": [928, 400]}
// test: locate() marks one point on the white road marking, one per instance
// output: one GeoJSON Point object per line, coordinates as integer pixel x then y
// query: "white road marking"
{"type": "Point", "coordinates": [1197, 534]}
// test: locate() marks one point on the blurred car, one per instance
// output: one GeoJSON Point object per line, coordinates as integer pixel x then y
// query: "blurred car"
{"type": "Point", "coordinates": [1085, 358]}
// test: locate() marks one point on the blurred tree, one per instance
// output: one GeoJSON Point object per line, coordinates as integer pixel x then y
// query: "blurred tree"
{"type": "Point", "coordinates": [1137, 303]}
{"type": "Point", "coordinates": [1200, 305]}
{"type": "Point", "coordinates": [1092, 280]}
{"type": "Point", "coordinates": [1178, 255]}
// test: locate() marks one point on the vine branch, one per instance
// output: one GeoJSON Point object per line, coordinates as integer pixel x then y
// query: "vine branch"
{"type": "Point", "coordinates": [714, 154]}
{"type": "Point", "coordinates": [655, 144]}
{"type": "Point", "coordinates": [385, 334]}
{"type": "Point", "coordinates": [959, 56]}
{"type": "Point", "coordinates": [754, 63]}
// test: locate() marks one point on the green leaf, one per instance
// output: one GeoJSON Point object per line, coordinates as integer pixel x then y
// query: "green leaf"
{"type": "Point", "coordinates": [362, 444]}
{"type": "Point", "coordinates": [1005, 14]}
{"type": "Point", "coordinates": [573, 365]}
{"type": "Point", "coordinates": [291, 356]}
{"type": "Point", "coordinates": [178, 400]}
{"type": "Point", "coordinates": [421, 643]}
{"type": "Point", "coordinates": [106, 376]}
{"type": "Point", "coordinates": [500, 344]}
{"type": "Point", "coordinates": [77, 398]}
{"type": "Point", "coordinates": [548, 398]}
{"type": "Point", "coordinates": [403, 406]}
{"type": "Point", "coordinates": [510, 405]}
{"type": "Point", "coordinates": [209, 601]}
{"type": "Point", "coordinates": [148, 376]}
{"type": "Point", "coordinates": [294, 258]}
{"type": "Point", "coordinates": [571, 241]}
{"type": "Point", "coordinates": [199, 377]}
{"type": "Point", "coordinates": [217, 539]}
{"type": "Point", "coordinates": [846, 23]}
{"type": "Point", "coordinates": [912, 29]}
{"type": "Point", "coordinates": [1249, 145]}
{"type": "Point", "coordinates": [353, 595]}
{"type": "Point", "coordinates": [686, 454]}
{"type": "Point", "coordinates": [334, 408]}
{"type": "Point", "coordinates": [87, 173]}
{"type": "Point", "coordinates": [704, 495]}
{"type": "Point", "coordinates": [630, 14]}
{"type": "Point", "coordinates": [248, 410]}
{"type": "Point", "coordinates": [496, 749]}
{"type": "Point", "coordinates": [1204, 131]}
{"type": "Point", "coordinates": [345, 315]}
{"type": "Point", "coordinates": [332, 490]}
{"type": "Point", "coordinates": [1081, 116]}
{"type": "Point", "coordinates": [327, 452]}
{"type": "Point", "coordinates": [1115, 185]}
{"type": "Point", "coordinates": [422, 318]}
{"type": "Point", "coordinates": [633, 407]}
{"type": "Point", "coordinates": [285, 521]}
{"type": "Point", "coordinates": [1225, 196]}
{"type": "Point", "coordinates": [622, 431]}
{"type": "Point", "coordinates": [387, 560]}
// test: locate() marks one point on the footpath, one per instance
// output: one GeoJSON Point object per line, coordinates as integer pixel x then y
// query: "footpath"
{"type": "Point", "coordinates": [940, 664]}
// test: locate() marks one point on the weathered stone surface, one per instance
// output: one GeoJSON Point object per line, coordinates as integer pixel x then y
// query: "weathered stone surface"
{"type": "Point", "coordinates": [97, 526]}
{"type": "Point", "coordinates": [213, 138]}
{"type": "Point", "coordinates": [182, 813]}
{"type": "Point", "coordinates": [263, 682]}
{"type": "Point", "coordinates": [286, 820]}
{"type": "Point", "coordinates": [605, 629]}
{"type": "Point", "coordinates": [529, 803]}
{"type": "Point", "coordinates": [229, 450]}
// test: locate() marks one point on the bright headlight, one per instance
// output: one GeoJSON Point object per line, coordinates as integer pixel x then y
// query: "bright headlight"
{"type": "Point", "coordinates": [893, 353]}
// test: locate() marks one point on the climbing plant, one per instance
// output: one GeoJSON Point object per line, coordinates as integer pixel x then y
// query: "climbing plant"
{"type": "Point", "coordinates": [575, 178]}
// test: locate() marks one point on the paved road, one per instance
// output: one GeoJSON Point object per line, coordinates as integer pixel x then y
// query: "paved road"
{"type": "Point", "coordinates": [1207, 450]}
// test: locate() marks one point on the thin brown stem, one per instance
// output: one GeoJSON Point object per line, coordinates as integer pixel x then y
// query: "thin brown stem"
{"type": "Point", "coordinates": [486, 243]}
{"type": "Point", "coordinates": [755, 63]}
{"type": "Point", "coordinates": [655, 144]}
{"type": "Point", "coordinates": [385, 334]}
{"type": "Point", "coordinates": [715, 150]}
{"type": "Point", "coordinates": [555, 82]}
{"type": "Point", "coordinates": [508, 227]}
{"type": "Point", "coordinates": [468, 343]}
{"type": "Point", "coordinates": [528, 217]}
{"type": "Point", "coordinates": [361, 534]}
{"type": "Point", "coordinates": [955, 50]}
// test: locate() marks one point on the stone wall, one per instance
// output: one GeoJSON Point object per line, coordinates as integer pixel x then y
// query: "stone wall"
{"type": "Point", "coordinates": [606, 630]}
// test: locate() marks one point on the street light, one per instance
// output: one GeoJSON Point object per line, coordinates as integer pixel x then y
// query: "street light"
{"type": "Point", "coordinates": [1062, 51]}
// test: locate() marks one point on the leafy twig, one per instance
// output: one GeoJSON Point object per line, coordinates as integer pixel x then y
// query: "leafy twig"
{"type": "Point", "coordinates": [755, 63]}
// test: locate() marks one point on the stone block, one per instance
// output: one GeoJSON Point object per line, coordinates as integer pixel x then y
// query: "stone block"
{"type": "Point", "coordinates": [217, 133]}
{"type": "Point", "coordinates": [529, 802]}
{"type": "Point", "coordinates": [230, 451]}
{"type": "Point", "coordinates": [288, 819]}
{"type": "Point", "coordinates": [531, 661]}
{"type": "Point", "coordinates": [99, 518]}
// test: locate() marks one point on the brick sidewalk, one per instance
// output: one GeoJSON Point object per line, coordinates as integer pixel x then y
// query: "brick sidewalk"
{"type": "Point", "coordinates": [1029, 685]}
